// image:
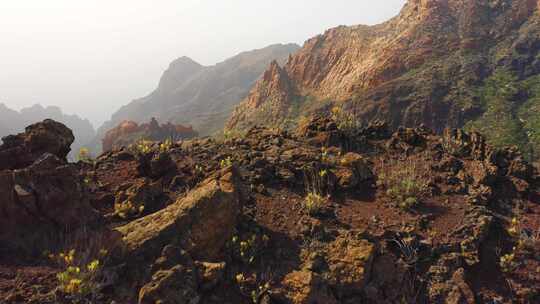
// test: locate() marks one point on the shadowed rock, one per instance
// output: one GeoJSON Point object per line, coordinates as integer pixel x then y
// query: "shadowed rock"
{"type": "Point", "coordinates": [48, 136]}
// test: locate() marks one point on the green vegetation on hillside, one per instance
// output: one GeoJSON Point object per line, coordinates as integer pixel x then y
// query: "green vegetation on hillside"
{"type": "Point", "coordinates": [511, 112]}
{"type": "Point", "coordinates": [529, 114]}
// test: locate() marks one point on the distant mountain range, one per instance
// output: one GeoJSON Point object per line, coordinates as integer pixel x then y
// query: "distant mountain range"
{"type": "Point", "coordinates": [14, 122]}
{"type": "Point", "coordinates": [442, 63]}
{"type": "Point", "coordinates": [201, 96]}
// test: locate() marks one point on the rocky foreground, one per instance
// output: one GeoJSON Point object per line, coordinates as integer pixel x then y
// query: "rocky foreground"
{"type": "Point", "coordinates": [329, 214]}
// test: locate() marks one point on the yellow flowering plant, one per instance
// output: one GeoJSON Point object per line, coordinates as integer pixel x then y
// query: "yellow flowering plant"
{"type": "Point", "coordinates": [78, 278]}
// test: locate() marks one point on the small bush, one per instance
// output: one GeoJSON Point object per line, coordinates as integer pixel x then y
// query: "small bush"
{"type": "Point", "coordinates": [142, 146]}
{"type": "Point", "coordinates": [127, 210]}
{"type": "Point", "coordinates": [405, 182]}
{"type": "Point", "coordinates": [248, 248]}
{"type": "Point", "coordinates": [227, 162]}
{"type": "Point", "coordinates": [508, 263]}
{"type": "Point", "coordinates": [84, 155]}
{"type": "Point", "coordinates": [314, 203]}
{"type": "Point", "coordinates": [345, 121]}
{"type": "Point", "coordinates": [166, 145]}
{"type": "Point", "coordinates": [79, 278]}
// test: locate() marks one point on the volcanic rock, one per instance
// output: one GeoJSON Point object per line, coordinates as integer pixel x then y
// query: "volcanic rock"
{"type": "Point", "coordinates": [49, 136]}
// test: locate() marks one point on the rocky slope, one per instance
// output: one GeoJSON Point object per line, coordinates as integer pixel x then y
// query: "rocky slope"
{"type": "Point", "coordinates": [12, 122]}
{"type": "Point", "coordinates": [201, 96]}
{"type": "Point", "coordinates": [428, 65]}
{"type": "Point", "coordinates": [321, 215]}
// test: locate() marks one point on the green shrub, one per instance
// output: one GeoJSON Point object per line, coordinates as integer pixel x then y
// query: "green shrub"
{"type": "Point", "coordinates": [405, 182]}
{"type": "Point", "coordinates": [84, 155]}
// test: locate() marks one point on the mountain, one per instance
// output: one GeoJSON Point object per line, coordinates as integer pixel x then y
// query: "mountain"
{"type": "Point", "coordinates": [14, 122]}
{"type": "Point", "coordinates": [436, 64]}
{"type": "Point", "coordinates": [201, 96]}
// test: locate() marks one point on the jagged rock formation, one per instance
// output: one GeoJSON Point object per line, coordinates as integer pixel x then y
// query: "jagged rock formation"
{"type": "Point", "coordinates": [128, 132]}
{"type": "Point", "coordinates": [321, 215]}
{"type": "Point", "coordinates": [201, 96]}
{"type": "Point", "coordinates": [13, 122]}
{"type": "Point", "coordinates": [49, 136]}
{"type": "Point", "coordinates": [425, 66]}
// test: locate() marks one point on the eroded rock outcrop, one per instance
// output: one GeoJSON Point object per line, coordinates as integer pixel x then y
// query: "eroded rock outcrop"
{"type": "Point", "coordinates": [129, 132]}
{"type": "Point", "coordinates": [49, 136]}
{"type": "Point", "coordinates": [41, 193]}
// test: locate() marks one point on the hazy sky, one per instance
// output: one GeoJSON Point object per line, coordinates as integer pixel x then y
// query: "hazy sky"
{"type": "Point", "coordinates": [91, 56]}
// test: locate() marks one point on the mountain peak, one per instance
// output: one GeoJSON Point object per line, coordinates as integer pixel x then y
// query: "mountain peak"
{"type": "Point", "coordinates": [202, 96]}
{"type": "Point", "coordinates": [183, 62]}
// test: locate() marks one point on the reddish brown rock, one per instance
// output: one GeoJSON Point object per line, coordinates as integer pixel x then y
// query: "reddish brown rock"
{"type": "Point", "coordinates": [45, 197]}
{"type": "Point", "coordinates": [40, 193]}
{"type": "Point", "coordinates": [128, 132]}
{"type": "Point", "coordinates": [306, 287]}
{"type": "Point", "coordinates": [409, 70]}
{"type": "Point", "coordinates": [200, 223]}
{"type": "Point", "coordinates": [49, 136]}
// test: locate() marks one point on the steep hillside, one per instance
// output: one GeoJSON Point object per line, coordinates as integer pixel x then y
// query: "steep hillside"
{"type": "Point", "coordinates": [427, 65]}
{"type": "Point", "coordinates": [201, 96]}
{"type": "Point", "coordinates": [13, 122]}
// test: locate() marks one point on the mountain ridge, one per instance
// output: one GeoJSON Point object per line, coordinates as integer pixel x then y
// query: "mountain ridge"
{"type": "Point", "coordinates": [202, 96]}
{"type": "Point", "coordinates": [14, 122]}
{"type": "Point", "coordinates": [423, 66]}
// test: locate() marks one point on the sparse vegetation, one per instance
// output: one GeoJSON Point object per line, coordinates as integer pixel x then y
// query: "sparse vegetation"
{"type": "Point", "coordinates": [81, 270]}
{"type": "Point", "coordinates": [511, 112]}
{"type": "Point", "coordinates": [226, 162]}
{"type": "Point", "coordinates": [142, 146]}
{"type": "Point", "coordinates": [127, 209]}
{"type": "Point", "coordinates": [84, 155]}
{"type": "Point", "coordinates": [508, 262]}
{"type": "Point", "coordinates": [166, 145]}
{"type": "Point", "coordinates": [318, 185]}
{"type": "Point", "coordinates": [248, 248]}
{"type": "Point", "coordinates": [344, 120]}
{"type": "Point", "coordinates": [408, 248]}
{"type": "Point", "coordinates": [405, 182]}
{"type": "Point", "coordinates": [314, 203]}
{"type": "Point", "coordinates": [199, 169]}
{"type": "Point", "coordinates": [324, 155]}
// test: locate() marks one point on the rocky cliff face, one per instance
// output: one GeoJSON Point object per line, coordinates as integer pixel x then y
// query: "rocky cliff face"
{"type": "Point", "coordinates": [426, 65]}
{"type": "Point", "coordinates": [13, 122]}
{"type": "Point", "coordinates": [201, 96]}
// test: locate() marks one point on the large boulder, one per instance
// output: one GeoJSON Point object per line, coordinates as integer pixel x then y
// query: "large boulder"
{"type": "Point", "coordinates": [354, 170]}
{"type": "Point", "coordinates": [44, 197]}
{"type": "Point", "coordinates": [48, 136]}
{"type": "Point", "coordinates": [349, 261]}
{"type": "Point", "coordinates": [200, 223]}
